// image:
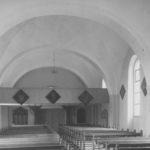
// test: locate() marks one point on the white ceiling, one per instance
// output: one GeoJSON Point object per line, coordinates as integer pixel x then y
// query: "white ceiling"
{"type": "Point", "coordinates": [88, 49]}
{"type": "Point", "coordinates": [46, 78]}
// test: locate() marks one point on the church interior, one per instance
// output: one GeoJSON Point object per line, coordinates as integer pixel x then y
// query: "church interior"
{"type": "Point", "coordinates": [74, 75]}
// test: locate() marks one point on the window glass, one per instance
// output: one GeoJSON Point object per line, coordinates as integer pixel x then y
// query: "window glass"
{"type": "Point", "coordinates": [137, 65]}
{"type": "Point", "coordinates": [136, 110]}
{"type": "Point", "coordinates": [136, 87]}
{"type": "Point", "coordinates": [137, 75]}
{"type": "Point", "coordinates": [137, 98]}
{"type": "Point", "coordinates": [104, 84]}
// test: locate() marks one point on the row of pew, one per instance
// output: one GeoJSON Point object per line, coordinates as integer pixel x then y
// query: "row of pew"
{"type": "Point", "coordinates": [125, 143]}
{"type": "Point", "coordinates": [24, 129]}
{"type": "Point", "coordinates": [30, 138]}
{"type": "Point", "coordinates": [97, 138]}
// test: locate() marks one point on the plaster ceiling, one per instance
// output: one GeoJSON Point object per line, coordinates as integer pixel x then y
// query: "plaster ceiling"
{"type": "Point", "coordinates": [88, 49]}
{"type": "Point", "coordinates": [53, 77]}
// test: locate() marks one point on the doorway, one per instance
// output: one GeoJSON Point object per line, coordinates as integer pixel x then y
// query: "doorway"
{"type": "Point", "coordinates": [81, 116]}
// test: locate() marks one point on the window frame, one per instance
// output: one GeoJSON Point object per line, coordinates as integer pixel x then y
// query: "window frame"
{"type": "Point", "coordinates": [104, 86]}
{"type": "Point", "coordinates": [136, 89]}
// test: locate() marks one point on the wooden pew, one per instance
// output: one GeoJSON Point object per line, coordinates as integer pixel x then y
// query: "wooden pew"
{"type": "Point", "coordinates": [37, 139]}
{"type": "Point", "coordinates": [85, 137]}
{"type": "Point", "coordinates": [51, 146]}
{"type": "Point", "coordinates": [125, 143]}
{"type": "Point", "coordinates": [50, 141]}
{"type": "Point", "coordinates": [91, 138]}
{"type": "Point", "coordinates": [25, 130]}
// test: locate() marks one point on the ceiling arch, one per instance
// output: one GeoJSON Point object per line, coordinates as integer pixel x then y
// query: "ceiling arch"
{"type": "Point", "coordinates": [71, 36]}
{"type": "Point", "coordinates": [29, 60]}
{"type": "Point", "coordinates": [94, 12]}
{"type": "Point", "coordinates": [47, 77]}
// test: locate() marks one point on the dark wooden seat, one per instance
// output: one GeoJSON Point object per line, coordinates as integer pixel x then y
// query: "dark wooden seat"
{"type": "Point", "coordinates": [124, 143]}
{"type": "Point", "coordinates": [39, 138]}
{"type": "Point", "coordinates": [34, 147]}
{"type": "Point", "coordinates": [25, 130]}
{"type": "Point", "coordinates": [87, 137]}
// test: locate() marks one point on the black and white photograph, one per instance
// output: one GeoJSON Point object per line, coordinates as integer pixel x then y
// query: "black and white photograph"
{"type": "Point", "coordinates": [74, 74]}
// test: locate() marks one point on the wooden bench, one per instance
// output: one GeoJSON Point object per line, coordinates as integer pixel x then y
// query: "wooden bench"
{"type": "Point", "coordinates": [85, 137]}
{"type": "Point", "coordinates": [50, 141]}
{"type": "Point", "coordinates": [25, 130]}
{"type": "Point", "coordinates": [30, 140]}
{"type": "Point", "coordinates": [51, 146]}
{"type": "Point", "coordinates": [124, 143]}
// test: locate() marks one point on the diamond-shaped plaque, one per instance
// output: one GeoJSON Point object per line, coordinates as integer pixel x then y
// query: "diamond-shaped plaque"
{"type": "Point", "coordinates": [21, 97]}
{"type": "Point", "coordinates": [53, 96]}
{"type": "Point", "coordinates": [85, 97]}
{"type": "Point", "coordinates": [122, 91]}
{"type": "Point", "coordinates": [144, 86]}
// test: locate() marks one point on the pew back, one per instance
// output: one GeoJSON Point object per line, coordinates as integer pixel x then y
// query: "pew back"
{"type": "Point", "coordinates": [126, 143]}
{"type": "Point", "coordinates": [30, 138]}
{"type": "Point", "coordinates": [86, 137]}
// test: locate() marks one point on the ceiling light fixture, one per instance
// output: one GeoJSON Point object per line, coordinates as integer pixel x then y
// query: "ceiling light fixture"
{"type": "Point", "coordinates": [53, 86]}
{"type": "Point", "coordinates": [54, 68]}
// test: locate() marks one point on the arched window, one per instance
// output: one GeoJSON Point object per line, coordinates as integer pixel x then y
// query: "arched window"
{"type": "Point", "coordinates": [134, 92]}
{"type": "Point", "coordinates": [136, 87]}
{"type": "Point", "coordinates": [20, 116]}
{"type": "Point", "coordinates": [104, 84]}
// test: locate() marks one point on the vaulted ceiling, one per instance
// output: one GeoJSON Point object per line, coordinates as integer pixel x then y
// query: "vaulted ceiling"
{"type": "Point", "coordinates": [89, 50]}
